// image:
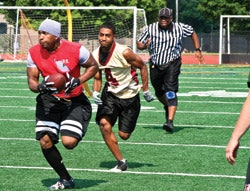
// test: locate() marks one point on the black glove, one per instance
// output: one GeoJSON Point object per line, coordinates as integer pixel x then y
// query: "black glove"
{"type": "Point", "coordinates": [47, 87]}
{"type": "Point", "coordinates": [71, 84]}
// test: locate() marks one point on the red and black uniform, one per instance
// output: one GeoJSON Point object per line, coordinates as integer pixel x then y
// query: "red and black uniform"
{"type": "Point", "coordinates": [67, 114]}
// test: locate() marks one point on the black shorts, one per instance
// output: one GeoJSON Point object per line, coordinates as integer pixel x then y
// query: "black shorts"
{"type": "Point", "coordinates": [165, 79]}
{"type": "Point", "coordinates": [70, 117]}
{"type": "Point", "coordinates": [127, 110]}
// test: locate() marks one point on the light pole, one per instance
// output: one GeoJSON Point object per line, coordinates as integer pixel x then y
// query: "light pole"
{"type": "Point", "coordinates": [170, 4]}
{"type": "Point", "coordinates": [176, 10]}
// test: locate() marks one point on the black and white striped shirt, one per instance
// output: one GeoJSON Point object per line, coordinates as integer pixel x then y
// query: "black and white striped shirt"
{"type": "Point", "coordinates": [165, 45]}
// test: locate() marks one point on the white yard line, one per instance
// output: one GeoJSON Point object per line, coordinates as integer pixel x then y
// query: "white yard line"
{"type": "Point", "coordinates": [135, 143]}
{"type": "Point", "coordinates": [138, 124]}
{"type": "Point", "coordinates": [131, 172]}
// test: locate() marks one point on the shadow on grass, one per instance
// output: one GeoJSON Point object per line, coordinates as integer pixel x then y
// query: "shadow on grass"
{"type": "Point", "coordinates": [176, 129]}
{"type": "Point", "coordinates": [79, 183]}
{"type": "Point", "coordinates": [153, 127]}
{"type": "Point", "coordinates": [131, 165]}
{"type": "Point", "coordinates": [180, 128]}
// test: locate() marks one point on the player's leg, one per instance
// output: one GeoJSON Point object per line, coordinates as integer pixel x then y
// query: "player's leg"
{"type": "Point", "coordinates": [171, 86]}
{"type": "Point", "coordinates": [157, 80]}
{"type": "Point", "coordinates": [106, 117]}
{"type": "Point", "coordinates": [50, 152]}
{"type": "Point", "coordinates": [47, 132]}
{"type": "Point", "coordinates": [112, 143]}
{"type": "Point", "coordinates": [109, 137]}
{"type": "Point", "coordinates": [128, 116]}
{"type": "Point", "coordinates": [127, 122]}
{"type": "Point", "coordinates": [54, 158]}
{"type": "Point", "coordinates": [75, 121]}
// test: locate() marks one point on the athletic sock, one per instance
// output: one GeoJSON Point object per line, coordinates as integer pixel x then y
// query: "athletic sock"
{"type": "Point", "coordinates": [54, 158]}
{"type": "Point", "coordinates": [166, 112]}
{"type": "Point", "coordinates": [123, 160]}
{"type": "Point", "coordinates": [170, 121]}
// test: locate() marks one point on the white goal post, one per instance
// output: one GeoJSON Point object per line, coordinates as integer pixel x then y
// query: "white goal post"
{"type": "Point", "coordinates": [22, 23]}
{"type": "Point", "coordinates": [226, 43]}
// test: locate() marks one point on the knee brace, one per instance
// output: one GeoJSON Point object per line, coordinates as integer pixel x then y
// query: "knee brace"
{"type": "Point", "coordinates": [172, 98]}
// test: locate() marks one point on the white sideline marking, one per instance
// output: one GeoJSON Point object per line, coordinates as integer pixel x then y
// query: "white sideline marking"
{"type": "Point", "coordinates": [138, 124]}
{"type": "Point", "coordinates": [131, 172]}
{"type": "Point", "coordinates": [214, 93]}
{"type": "Point", "coordinates": [27, 97]}
{"type": "Point", "coordinates": [136, 143]}
{"type": "Point", "coordinates": [19, 120]}
{"type": "Point", "coordinates": [148, 109]}
{"type": "Point", "coordinates": [217, 102]}
{"type": "Point", "coordinates": [16, 89]}
{"type": "Point", "coordinates": [207, 78]}
{"type": "Point", "coordinates": [210, 87]}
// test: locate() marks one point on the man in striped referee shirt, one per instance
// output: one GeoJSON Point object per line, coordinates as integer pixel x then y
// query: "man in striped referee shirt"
{"type": "Point", "coordinates": [163, 39]}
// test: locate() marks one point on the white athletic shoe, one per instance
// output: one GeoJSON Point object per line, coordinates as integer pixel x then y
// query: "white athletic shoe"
{"type": "Point", "coordinates": [62, 184]}
{"type": "Point", "coordinates": [121, 166]}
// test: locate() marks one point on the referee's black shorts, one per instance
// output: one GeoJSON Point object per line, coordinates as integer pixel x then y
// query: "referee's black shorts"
{"type": "Point", "coordinates": [166, 78]}
{"type": "Point", "coordinates": [127, 110]}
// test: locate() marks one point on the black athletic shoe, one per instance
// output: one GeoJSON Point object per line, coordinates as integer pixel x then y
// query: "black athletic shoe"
{"type": "Point", "coordinates": [63, 184]}
{"type": "Point", "coordinates": [121, 166]}
{"type": "Point", "coordinates": [169, 126]}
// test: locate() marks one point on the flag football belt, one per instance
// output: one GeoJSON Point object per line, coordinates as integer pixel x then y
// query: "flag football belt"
{"type": "Point", "coordinates": [162, 66]}
{"type": "Point", "coordinates": [62, 99]}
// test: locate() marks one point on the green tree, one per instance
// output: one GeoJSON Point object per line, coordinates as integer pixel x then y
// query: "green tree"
{"type": "Point", "coordinates": [151, 7]}
{"type": "Point", "coordinates": [189, 14]}
{"type": "Point", "coordinates": [213, 9]}
{"type": "Point", "coordinates": [201, 14]}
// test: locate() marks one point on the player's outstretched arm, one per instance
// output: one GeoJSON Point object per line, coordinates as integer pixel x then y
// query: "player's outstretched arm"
{"type": "Point", "coordinates": [240, 129]}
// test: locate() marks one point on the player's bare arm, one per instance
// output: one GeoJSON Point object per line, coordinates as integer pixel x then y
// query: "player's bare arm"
{"type": "Point", "coordinates": [91, 69]}
{"type": "Point", "coordinates": [196, 43]}
{"type": "Point", "coordinates": [240, 129]}
{"type": "Point", "coordinates": [97, 85]}
{"type": "Point", "coordinates": [195, 40]}
{"type": "Point", "coordinates": [136, 61]}
{"type": "Point", "coordinates": [33, 78]}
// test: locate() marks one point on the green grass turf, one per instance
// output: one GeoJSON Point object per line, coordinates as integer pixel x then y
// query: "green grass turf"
{"type": "Point", "coordinates": [190, 159]}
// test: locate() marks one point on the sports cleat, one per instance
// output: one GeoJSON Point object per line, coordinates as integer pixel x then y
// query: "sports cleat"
{"type": "Point", "coordinates": [169, 126]}
{"type": "Point", "coordinates": [63, 184]}
{"type": "Point", "coordinates": [121, 166]}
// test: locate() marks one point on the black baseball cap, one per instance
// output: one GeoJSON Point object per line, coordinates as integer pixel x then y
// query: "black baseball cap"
{"type": "Point", "coordinates": [165, 12]}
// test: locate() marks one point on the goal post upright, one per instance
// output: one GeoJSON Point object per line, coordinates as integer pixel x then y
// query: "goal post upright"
{"type": "Point", "coordinates": [222, 33]}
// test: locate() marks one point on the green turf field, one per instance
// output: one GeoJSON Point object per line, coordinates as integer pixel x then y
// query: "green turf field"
{"type": "Point", "coordinates": [191, 159]}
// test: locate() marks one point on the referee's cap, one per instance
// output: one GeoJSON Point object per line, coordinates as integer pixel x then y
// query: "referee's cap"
{"type": "Point", "coordinates": [51, 26]}
{"type": "Point", "coordinates": [165, 12]}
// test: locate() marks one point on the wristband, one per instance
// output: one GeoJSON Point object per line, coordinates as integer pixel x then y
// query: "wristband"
{"type": "Point", "coordinates": [198, 49]}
